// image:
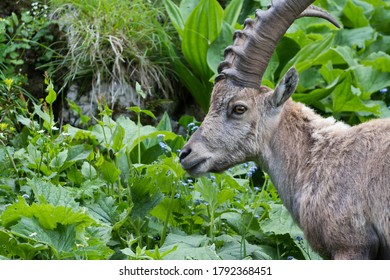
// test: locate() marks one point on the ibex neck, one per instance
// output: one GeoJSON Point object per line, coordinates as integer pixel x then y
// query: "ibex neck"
{"type": "Point", "coordinates": [290, 150]}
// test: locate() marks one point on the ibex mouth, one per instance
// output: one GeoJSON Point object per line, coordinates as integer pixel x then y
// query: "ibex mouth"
{"type": "Point", "coordinates": [195, 167]}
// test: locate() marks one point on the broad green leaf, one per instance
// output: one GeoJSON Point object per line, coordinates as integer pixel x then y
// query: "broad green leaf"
{"type": "Point", "coordinates": [48, 215]}
{"type": "Point", "coordinates": [188, 247]}
{"type": "Point", "coordinates": [232, 12]}
{"type": "Point", "coordinates": [216, 50]}
{"type": "Point", "coordinates": [88, 171]}
{"type": "Point", "coordinates": [12, 248]}
{"type": "Point", "coordinates": [78, 152]}
{"type": "Point", "coordinates": [59, 160]}
{"type": "Point", "coordinates": [355, 38]}
{"type": "Point", "coordinates": [46, 192]}
{"type": "Point", "coordinates": [201, 29]}
{"type": "Point", "coordinates": [174, 14]}
{"type": "Point", "coordinates": [280, 222]}
{"type": "Point", "coordinates": [116, 141]}
{"type": "Point", "coordinates": [43, 115]}
{"type": "Point", "coordinates": [186, 7]}
{"type": "Point", "coordinates": [200, 90]}
{"type": "Point", "coordinates": [110, 172]}
{"type": "Point", "coordinates": [371, 80]}
{"type": "Point", "coordinates": [233, 249]}
{"type": "Point", "coordinates": [379, 61]}
{"type": "Point", "coordinates": [63, 238]}
{"type": "Point", "coordinates": [355, 15]}
{"type": "Point", "coordinates": [103, 210]}
{"type": "Point", "coordinates": [345, 100]}
{"type": "Point", "coordinates": [308, 55]}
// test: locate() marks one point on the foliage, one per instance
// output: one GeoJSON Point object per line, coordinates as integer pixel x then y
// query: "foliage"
{"type": "Point", "coordinates": [344, 72]}
{"type": "Point", "coordinates": [207, 26]}
{"type": "Point", "coordinates": [117, 190]}
{"type": "Point", "coordinates": [20, 37]}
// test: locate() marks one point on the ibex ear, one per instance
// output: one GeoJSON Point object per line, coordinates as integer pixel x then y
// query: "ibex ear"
{"type": "Point", "coordinates": [286, 87]}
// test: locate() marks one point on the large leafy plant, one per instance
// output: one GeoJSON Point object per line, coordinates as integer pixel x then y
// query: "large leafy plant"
{"type": "Point", "coordinates": [343, 72]}
{"type": "Point", "coordinates": [205, 29]}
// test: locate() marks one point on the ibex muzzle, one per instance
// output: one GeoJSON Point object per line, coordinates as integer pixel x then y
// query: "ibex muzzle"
{"type": "Point", "coordinates": [334, 179]}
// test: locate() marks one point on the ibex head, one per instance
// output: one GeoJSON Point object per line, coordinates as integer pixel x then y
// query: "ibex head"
{"type": "Point", "coordinates": [243, 114]}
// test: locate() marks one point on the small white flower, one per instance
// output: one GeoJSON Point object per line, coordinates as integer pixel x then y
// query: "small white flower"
{"type": "Point", "coordinates": [33, 234]}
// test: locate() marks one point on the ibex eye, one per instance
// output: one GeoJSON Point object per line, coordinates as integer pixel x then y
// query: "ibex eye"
{"type": "Point", "coordinates": [239, 109]}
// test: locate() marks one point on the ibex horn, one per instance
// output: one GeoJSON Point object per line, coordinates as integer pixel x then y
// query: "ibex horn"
{"type": "Point", "coordinates": [247, 59]}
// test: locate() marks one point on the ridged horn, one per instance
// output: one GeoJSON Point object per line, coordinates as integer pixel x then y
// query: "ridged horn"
{"type": "Point", "coordinates": [246, 60]}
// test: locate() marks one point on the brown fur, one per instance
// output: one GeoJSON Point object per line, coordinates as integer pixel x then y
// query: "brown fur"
{"type": "Point", "coordinates": [334, 179]}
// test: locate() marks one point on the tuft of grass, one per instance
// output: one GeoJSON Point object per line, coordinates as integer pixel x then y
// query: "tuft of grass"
{"type": "Point", "coordinates": [117, 43]}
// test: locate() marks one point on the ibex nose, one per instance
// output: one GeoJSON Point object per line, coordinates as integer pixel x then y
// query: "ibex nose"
{"type": "Point", "coordinates": [184, 153]}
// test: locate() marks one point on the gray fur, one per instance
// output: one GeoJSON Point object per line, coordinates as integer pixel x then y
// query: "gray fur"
{"type": "Point", "coordinates": [334, 179]}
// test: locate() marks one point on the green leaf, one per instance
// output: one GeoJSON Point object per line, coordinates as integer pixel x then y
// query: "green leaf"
{"type": "Point", "coordinates": [280, 222]}
{"type": "Point", "coordinates": [174, 14]}
{"type": "Point", "coordinates": [104, 210]}
{"type": "Point", "coordinates": [355, 38]}
{"type": "Point", "coordinates": [46, 192]}
{"type": "Point", "coordinates": [215, 53]}
{"type": "Point", "coordinates": [232, 12]}
{"type": "Point", "coordinates": [88, 171]}
{"type": "Point", "coordinates": [110, 172]}
{"type": "Point", "coordinates": [165, 123]}
{"type": "Point", "coordinates": [379, 61]}
{"type": "Point", "coordinates": [59, 160]}
{"type": "Point", "coordinates": [186, 7]}
{"type": "Point", "coordinates": [309, 54]}
{"type": "Point", "coordinates": [48, 215]}
{"type": "Point", "coordinates": [188, 247]}
{"type": "Point", "coordinates": [52, 95]}
{"type": "Point", "coordinates": [61, 239]}
{"type": "Point", "coordinates": [148, 113]}
{"type": "Point", "coordinates": [344, 99]}
{"type": "Point", "coordinates": [371, 80]}
{"type": "Point", "coordinates": [355, 15]}
{"type": "Point", "coordinates": [78, 152]}
{"type": "Point", "coordinates": [43, 115]}
{"type": "Point", "coordinates": [201, 29]}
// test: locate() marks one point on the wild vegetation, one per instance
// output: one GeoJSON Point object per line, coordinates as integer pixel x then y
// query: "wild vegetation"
{"type": "Point", "coordinates": [114, 189]}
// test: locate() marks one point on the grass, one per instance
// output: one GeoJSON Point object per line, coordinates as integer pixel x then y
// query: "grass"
{"type": "Point", "coordinates": [117, 43]}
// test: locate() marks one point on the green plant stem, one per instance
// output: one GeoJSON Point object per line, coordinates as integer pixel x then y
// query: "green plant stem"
{"type": "Point", "coordinates": [139, 136]}
{"type": "Point", "coordinates": [212, 223]}
{"type": "Point", "coordinates": [166, 222]}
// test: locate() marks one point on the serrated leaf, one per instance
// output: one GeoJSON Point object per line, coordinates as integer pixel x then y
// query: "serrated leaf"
{"type": "Point", "coordinates": [63, 238]}
{"type": "Point", "coordinates": [104, 210]}
{"type": "Point", "coordinates": [280, 222]}
{"type": "Point", "coordinates": [46, 192]}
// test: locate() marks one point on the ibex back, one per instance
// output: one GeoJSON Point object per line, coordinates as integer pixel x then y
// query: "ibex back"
{"type": "Point", "coordinates": [334, 179]}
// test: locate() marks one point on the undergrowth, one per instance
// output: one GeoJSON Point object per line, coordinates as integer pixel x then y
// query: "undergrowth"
{"type": "Point", "coordinates": [117, 191]}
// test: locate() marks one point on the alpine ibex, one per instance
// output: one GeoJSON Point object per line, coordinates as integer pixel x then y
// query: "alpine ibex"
{"type": "Point", "coordinates": [334, 179]}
